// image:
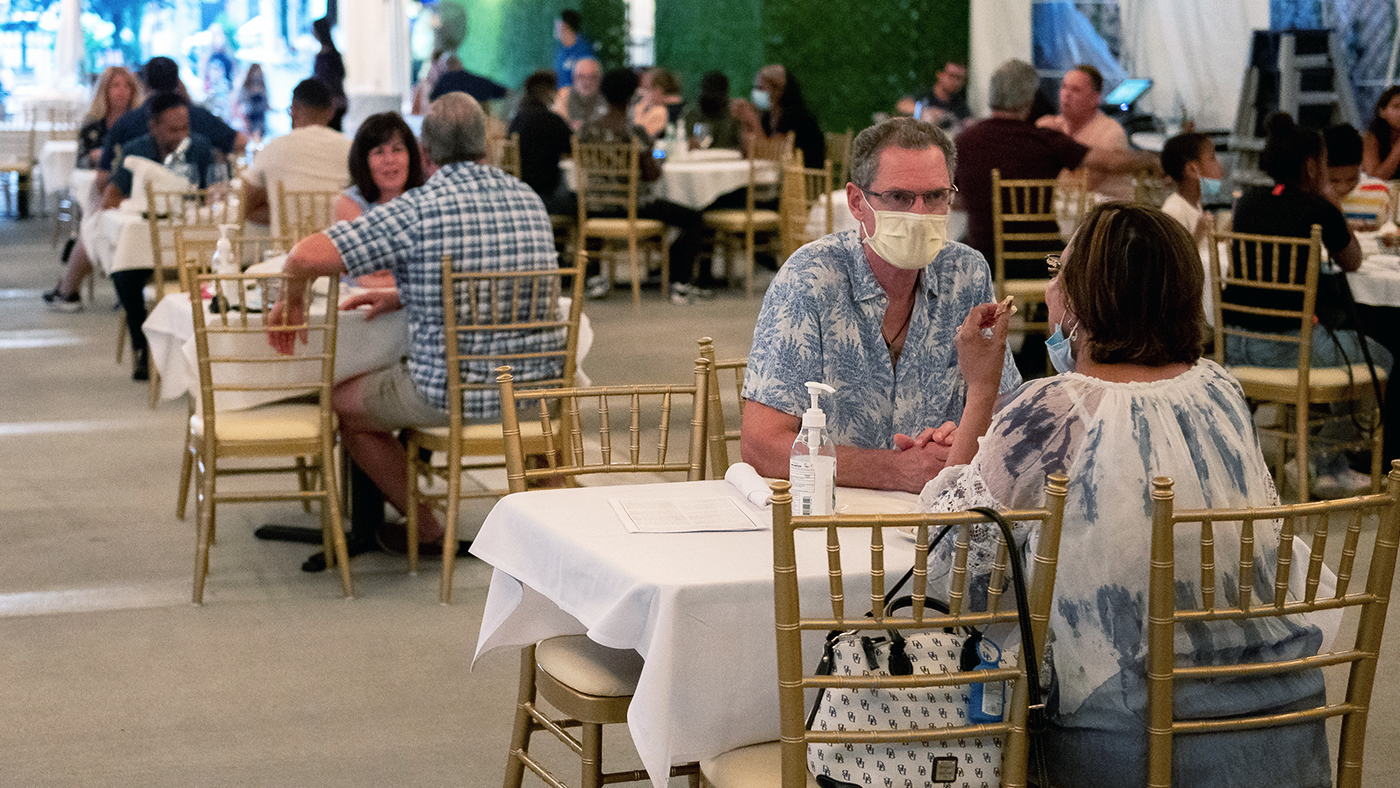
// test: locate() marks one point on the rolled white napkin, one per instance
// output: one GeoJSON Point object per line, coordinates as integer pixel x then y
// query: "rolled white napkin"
{"type": "Point", "coordinates": [749, 484]}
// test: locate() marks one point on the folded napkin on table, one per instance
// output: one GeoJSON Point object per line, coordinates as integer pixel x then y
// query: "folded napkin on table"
{"type": "Point", "coordinates": [749, 484]}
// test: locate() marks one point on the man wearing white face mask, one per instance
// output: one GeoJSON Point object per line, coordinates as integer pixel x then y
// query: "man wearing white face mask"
{"type": "Point", "coordinates": [873, 312]}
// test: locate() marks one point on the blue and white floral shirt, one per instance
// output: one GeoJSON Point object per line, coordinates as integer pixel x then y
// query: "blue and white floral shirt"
{"type": "Point", "coordinates": [821, 321]}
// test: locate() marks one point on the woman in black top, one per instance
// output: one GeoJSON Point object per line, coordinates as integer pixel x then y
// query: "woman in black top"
{"type": "Point", "coordinates": [329, 67]}
{"type": "Point", "coordinates": [117, 92]}
{"type": "Point", "coordinates": [778, 108]}
{"type": "Point", "coordinates": [1296, 160]}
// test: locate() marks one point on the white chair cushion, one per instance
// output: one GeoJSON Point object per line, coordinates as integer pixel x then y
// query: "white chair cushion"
{"type": "Point", "coordinates": [272, 422]}
{"type": "Point", "coordinates": [588, 667]}
{"type": "Point", "coordinates": [755, 766]}
{"type": "Point", "coordinates": [488, 432]}
{"type": "Point", "coordinates": [1319, 376]}
{"type": "Point", "coordinates": [735, 220]}
{"type": "Point", "coordinates": [619, 227]}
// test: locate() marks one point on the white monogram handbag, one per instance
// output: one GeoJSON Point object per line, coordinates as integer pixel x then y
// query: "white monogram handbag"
{"type": "Point", "coordinates": [959, 762]}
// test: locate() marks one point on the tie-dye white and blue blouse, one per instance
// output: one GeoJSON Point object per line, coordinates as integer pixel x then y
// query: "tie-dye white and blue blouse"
{"type": "Point", "coordinates": [821, 321]}
{"type": "Point", "coordinates": [1112, 439]}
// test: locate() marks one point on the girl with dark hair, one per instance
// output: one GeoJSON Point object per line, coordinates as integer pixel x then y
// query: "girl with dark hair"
{"type": "Point", "coordinates": [1296, 160]}
{"type": "Point", "coordinates": [1136, 401]}
{"type": "Point", "coordinates": [1380, 156]}
{"type": "Point", "coordinates": [252, 102]}
{"type": "Point", "coordinates": [384, 163]}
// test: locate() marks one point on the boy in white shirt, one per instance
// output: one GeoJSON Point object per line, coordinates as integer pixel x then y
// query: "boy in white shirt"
{"type": "Point", "coordinates": [1189, 160]}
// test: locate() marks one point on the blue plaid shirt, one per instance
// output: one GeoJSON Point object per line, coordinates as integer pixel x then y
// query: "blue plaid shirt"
{"type": "Point", "coordinates": [821, 321]}
{"type": "Point", "coordinates": [487, 221]}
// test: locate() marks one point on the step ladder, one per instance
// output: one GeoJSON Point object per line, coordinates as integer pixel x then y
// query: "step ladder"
{"type": "Point", "coordinates": [1301, 72]}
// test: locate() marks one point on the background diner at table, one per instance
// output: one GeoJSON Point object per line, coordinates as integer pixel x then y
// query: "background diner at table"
{"type": "Point", "coordinates": [312, 157]}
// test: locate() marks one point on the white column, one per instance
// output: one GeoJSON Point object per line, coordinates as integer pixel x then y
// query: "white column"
{"type": "Point", "coordinates": [999, 30]}
{"type": "Point", "coordinates": [373, 36]}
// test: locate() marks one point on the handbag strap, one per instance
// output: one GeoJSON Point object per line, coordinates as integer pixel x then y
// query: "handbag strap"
{"type": "Point", "coordinates": [1035, 722]}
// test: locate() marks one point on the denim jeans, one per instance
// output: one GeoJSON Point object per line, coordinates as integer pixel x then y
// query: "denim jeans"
{"type": "Point", "coordinates": [1329, 349]}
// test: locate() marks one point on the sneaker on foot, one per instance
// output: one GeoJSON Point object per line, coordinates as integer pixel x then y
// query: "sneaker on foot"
{"type": "Point", "coordinates": [63, 303]}
{"type": "Point", "coordinates": [1342, 484]}
{"type": "Point", "coordinates": [597, 287]}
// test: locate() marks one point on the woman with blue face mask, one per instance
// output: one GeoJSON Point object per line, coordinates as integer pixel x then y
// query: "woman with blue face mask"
{"type": "Point", "coordinates": [776, 107]}
{"type": "Point", "coordinates": [1134, 401]}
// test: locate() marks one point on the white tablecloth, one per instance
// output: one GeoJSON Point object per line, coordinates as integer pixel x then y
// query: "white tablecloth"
{"type": "Point", "coordinates": [360, 346]}
{"type": "Point", "coordinates": [119, 240]}
{"type": "Point", "coordinates": [698, 607]}
{"type": "Point", "coordinates": [80, 184]}
{"type": "Point", "coordinates": [57, 161]}
{"type": "Point", "coordinates": [1377, 282]}
{"type": "Point", "coordinates": [697, 179]}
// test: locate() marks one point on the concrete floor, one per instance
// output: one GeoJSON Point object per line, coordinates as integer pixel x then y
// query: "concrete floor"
{"type": "Point", "coordinates": [112, 677]}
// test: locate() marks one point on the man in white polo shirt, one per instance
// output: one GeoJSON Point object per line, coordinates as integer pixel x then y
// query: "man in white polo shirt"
{"type": "Point", "coordinates": [313, 157]}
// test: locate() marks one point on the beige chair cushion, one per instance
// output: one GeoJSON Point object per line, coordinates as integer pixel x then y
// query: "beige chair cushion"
{"type": "Point", "coordinates": [272, 422]}
{"type": "Point", "coordinates": [579, 662]}
{"type": "Point", "coordinates": [734, 221]}
{"type": "Point", "coordinates": [618, 228]}
{"type": "Point", "coordinates": [1322, 377]}
{"type": "Point", "coordinates": [755, 766]}
{"type": "Point", "coordinates": [529, 430]}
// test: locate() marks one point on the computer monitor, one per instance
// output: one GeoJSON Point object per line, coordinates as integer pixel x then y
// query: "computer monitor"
{"type": "Point", "coordinates": [1126, 92]}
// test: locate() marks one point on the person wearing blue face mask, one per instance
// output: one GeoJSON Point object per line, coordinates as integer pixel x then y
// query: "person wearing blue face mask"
{"type": "Point", "coordinates": [776, 107]}
{"type": "Point", "coordinates": [1189, 160]}
{"type": "Point", "coordinates": [1137, 401]}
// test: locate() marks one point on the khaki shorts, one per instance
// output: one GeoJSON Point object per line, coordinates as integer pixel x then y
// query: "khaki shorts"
{"type": "Point", "coordinates": [392, 400]}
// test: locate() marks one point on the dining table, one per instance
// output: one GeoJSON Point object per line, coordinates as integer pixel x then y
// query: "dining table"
{"type": "Point", "coordinates": [696, 605]}
{"type": "Point", "coordinates": [696, 178]}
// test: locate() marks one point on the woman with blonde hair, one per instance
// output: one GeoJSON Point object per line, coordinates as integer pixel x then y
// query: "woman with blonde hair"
{"type": "Point", "coordinates": [117, 93]}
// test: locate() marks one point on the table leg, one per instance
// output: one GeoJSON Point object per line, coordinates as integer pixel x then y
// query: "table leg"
{"type": "Point", "coordinates": [22, 194]}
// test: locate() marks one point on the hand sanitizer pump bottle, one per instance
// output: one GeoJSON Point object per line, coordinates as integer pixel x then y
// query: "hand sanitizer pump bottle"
{"type": "Point", "coordinates": [223, 263]}
{"type": "Point", "coordinates": [812, 464]}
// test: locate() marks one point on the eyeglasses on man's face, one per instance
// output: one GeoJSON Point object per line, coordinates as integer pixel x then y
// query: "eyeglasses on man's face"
{"type": "Point", "coordinates": [903, 199]}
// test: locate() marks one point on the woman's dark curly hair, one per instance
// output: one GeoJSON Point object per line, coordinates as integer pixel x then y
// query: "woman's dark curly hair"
{"type": "Point", "coordinates": [375, 131]}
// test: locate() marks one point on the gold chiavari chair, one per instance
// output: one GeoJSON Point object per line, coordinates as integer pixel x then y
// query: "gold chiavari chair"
{"type": "Point", "coordinates": [785, 762]}
{"type": "Point", "coordinates": [194, 249]}
{"type": "Point", "coordinates": [1370, 525]}
{"type": "Point", "coordinates": [1024, 231]}
{"type": "Point", "coordinates": [608, 179]}
{"type": "Point", "coordinates": [476, 306]}
{"type": "Point", "coordinates": [838, 152]}
{"type": "Point", "coordinates": [165, 211]}
{"type": "Point", "coordinates": [721, 435]}
{"type": "Point", "coordinates": [231, 347]}
{"type": "Point", "coordinates": [302, 213]}
{"type": "Point", "coordinates": [732, 229]}
{"type": "Point", "coordinates": [1282, 273]}
{"type": "Point", "coordinates": [803, 190]}
{"type": "Point", "coordinates": [504, 152]}
{"type": "Point", "coordinates": [592, 685]}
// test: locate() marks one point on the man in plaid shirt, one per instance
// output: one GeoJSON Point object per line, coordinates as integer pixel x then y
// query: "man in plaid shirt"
{"type": "Point", "coordinates": [485, 220]}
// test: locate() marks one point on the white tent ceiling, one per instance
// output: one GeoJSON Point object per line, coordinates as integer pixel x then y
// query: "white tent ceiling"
{"type": "Point", "coordinates": [1195, 51]}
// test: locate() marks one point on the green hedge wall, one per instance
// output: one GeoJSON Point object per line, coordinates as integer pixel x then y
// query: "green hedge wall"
{"type": "Point", "coordinates": [506, 41]}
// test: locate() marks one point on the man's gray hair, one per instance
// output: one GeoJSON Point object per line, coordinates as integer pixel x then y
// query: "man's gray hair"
{"type": "Point", "coordinates": [1013, 87]}
{"type": "Point", "coordinates": [906, 133]}
{"type": "Point", "coordinates": [454, 130]}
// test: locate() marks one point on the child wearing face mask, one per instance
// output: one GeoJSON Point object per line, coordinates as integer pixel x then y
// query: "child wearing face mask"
{"type": "Point", "coordinates": [1189, 160]}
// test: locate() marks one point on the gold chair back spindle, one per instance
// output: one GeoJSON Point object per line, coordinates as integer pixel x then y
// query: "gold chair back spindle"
{"type": "Point", "coordinates": [303, 212]}
{"type": "Point", "coordinates": [721, 435]}
{"type": "Point", "coordinates": [1275, 267]}
{"type": "Point", "coordinates": [1220, 528]}
{"type": "Point", "coordinates": [838, 152]}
